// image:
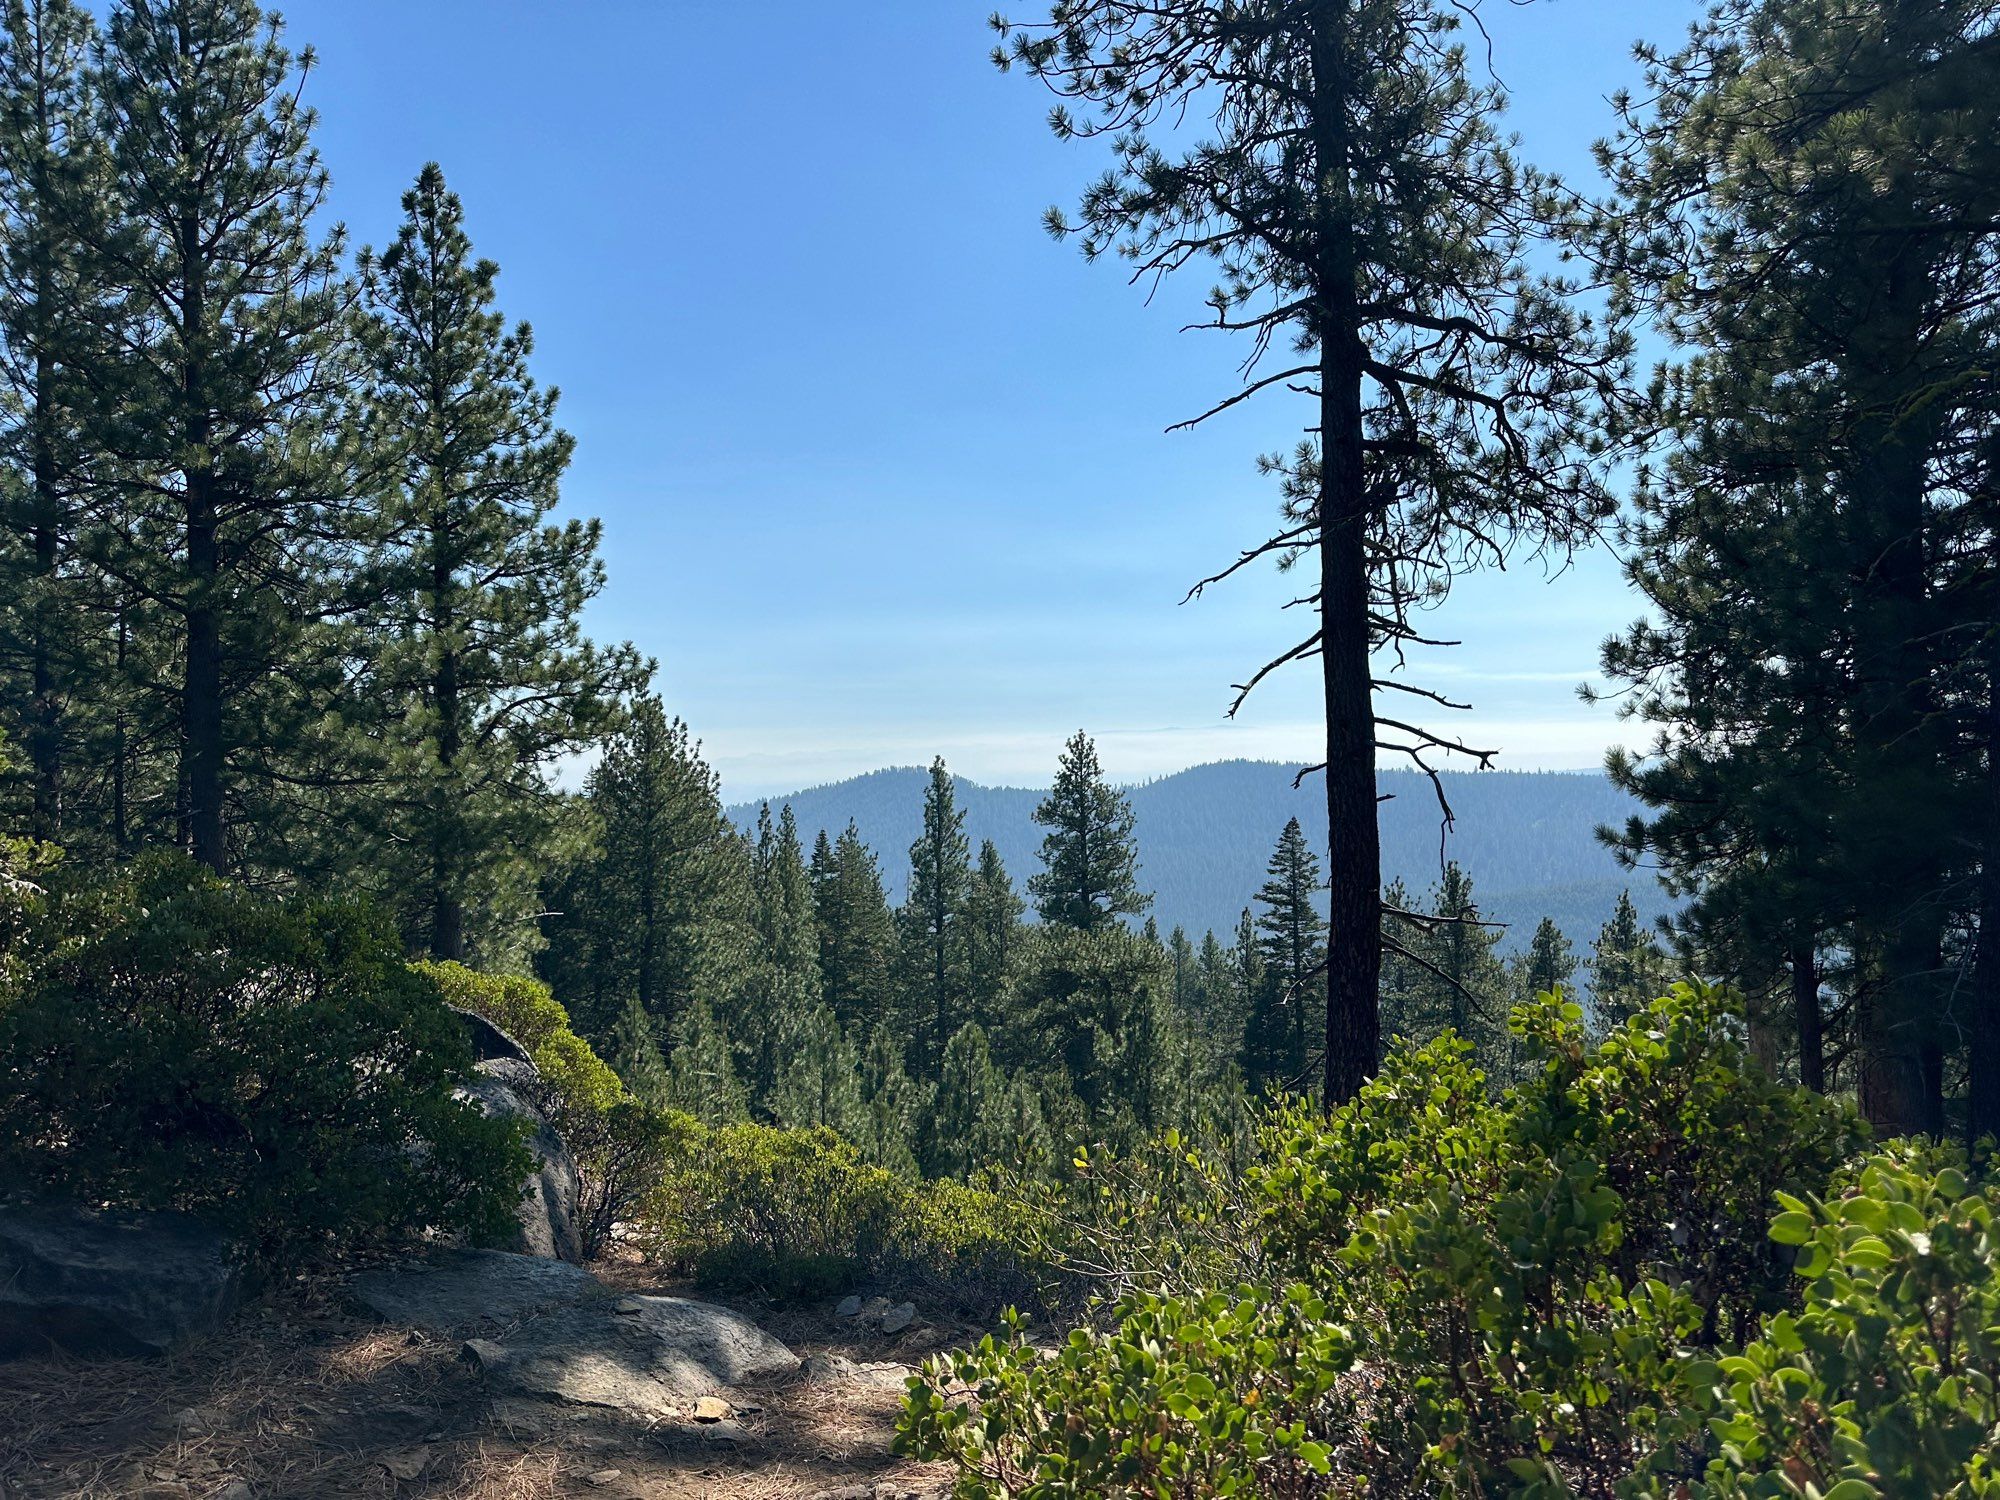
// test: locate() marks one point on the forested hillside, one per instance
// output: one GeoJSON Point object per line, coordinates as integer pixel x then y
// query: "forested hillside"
{"type": "Point", "coordinates": [1528, 839]}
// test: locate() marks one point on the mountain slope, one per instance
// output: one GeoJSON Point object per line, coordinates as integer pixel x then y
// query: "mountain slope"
{"type": "Point", "coordinates": [1527, 837]}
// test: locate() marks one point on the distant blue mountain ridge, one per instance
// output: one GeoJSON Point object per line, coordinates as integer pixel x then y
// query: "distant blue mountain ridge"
{"type": "Point", "coordinates": [1527, 838]}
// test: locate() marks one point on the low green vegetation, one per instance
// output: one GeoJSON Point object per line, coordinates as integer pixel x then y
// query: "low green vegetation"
{"type": "Point", "coordinates": [790, 1212]}
{"type": "Point", "coordinates": [171, 1041]}
{"type": "Point", "coordinates": [1576, 1286]}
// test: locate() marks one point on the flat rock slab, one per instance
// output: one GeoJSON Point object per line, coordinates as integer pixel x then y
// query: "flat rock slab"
{"type": "Point", "coordinates": [473, 1289]}
{"type": "Point", "coordinates": [647, 1357]}
{"type": "Point", "coordinates": [110, 1285]}
{"type": "Point", "coordinates": [550, 1332]}
{"type": "Point", "coordinates": [839, 1370]}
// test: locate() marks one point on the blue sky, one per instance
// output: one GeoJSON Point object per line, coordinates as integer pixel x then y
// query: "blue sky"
{"type": "Point", "coordinates": [882, 468]}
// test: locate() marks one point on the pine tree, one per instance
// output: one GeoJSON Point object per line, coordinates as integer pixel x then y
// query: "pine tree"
{"type": "Point", "coordinates": [1817, 186]}
{"type": "Point", "coordinates": [701, 1073]}
{"type": "Point", "coordinates": [992, 934]}
{"type": "Point", "coordinates": [219, 412]}
{"type": "Point", "coordinates": [786, 926]}
{"type": "Point", "coordinates": [54, 326]}
{"type": "Point", "coordinates": [857, 934]}
{"type": "Point", "coordinates": [1548, 963]}
{"type": "Point", "coordinates": [1187, 972]}
{"type": "Point", "coordinates": [657, 906]}
{"type": "Point", "coordinates": [636, 1056]}
{"type": "Point", "coordinates": [1022, 1142]}
{"type": "Point", "coordinates": [894, 1104]}
{"type": "Point", "coordinates": [1291, 940]}
{"type": "Point", "coordinates": [781, 988]}
{"type": "Point", "coordinates": [1090, 864]}
{"type": "Point", "coordinates": [1626, 967]}
{"type": "Point", "coordinates": [1402, 941]}
{"type": "Point", "coordinates": [478, 662]}
{"type": "Point", "coordinates": [1461, 983]}
{"type": "Point", "coordinates": [1092, 1004]}
{"type": "Point", "coordinates": [819, 1081]}
{"type": "Point", "coordinates": [1218, 1019]}
{"type": "Point", "coordinates": [964, 1131]}
{"type": "Point", "coordinates": [1363, 211]}
{"type": "Point", "coordinates": [1246, 964]}
{"type": "Point", "coordinates": [931, 925]}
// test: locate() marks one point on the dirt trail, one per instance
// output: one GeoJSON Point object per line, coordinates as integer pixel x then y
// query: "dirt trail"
{"type": "Point", "coordinates": [302, 1399]}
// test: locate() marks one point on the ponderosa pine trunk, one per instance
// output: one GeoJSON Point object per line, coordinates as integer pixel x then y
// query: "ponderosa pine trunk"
{"type": "Point", "coordinates": [1902, 932]}
{"type": "Point", "coordinates": [45, 734]}
{"type": "Point", "coordinates": [1806, 1015]}
{"type": "Point", "coordinates": [1354, 870]}
{"type": "Point", "coordinates": [1983, 1028]}
{"type": "Point", "coordinates": [447, 908]}
{"type": "Point", "coordinates": [201, 702]}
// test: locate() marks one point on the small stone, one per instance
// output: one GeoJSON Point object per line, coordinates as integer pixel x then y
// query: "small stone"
{"type": "Point", "coordinates": [729, 1434]}
{"type": "Point", "coordinates": [850, 1306]}
{"type": "Point", "coordinates": [828, 1369]}
{"type": "Point", "coordinates": [603, 1477]}
{"type": "Point", "coordinates": [711, 1409]}
{"type": "Point", "coordinates": [899, 1317]}
{"type": "Point", "coordinates": [236, 1489]}
{"type": "Point", "coordinates": [631, 1307]}
{"type": "Point", "coordinates": [408, 1463]}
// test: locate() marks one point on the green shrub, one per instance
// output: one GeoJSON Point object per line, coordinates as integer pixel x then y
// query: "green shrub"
{"type": "Point", "coordinates": [621, 1146]}
{"type": "Point", "coordinates": [800, 1213]}
{"type": "Point", "coordinates": [794, 1211]}
{"type": "Point", "coordinates": [577, 1081]}
{"type": "Point", "coordinates": [272, 1066]}
{"type": "Point", "coordinates": [1164, 1215]}
{"type": "Point", "coordinates": [964, 1244]}
{"type": "Point", "coordinates": [1225, 1393]}
{"type": "Point", "coordinates": [1882, 1384]}
{"type": "Point", "coordinates": [1512, 1282]}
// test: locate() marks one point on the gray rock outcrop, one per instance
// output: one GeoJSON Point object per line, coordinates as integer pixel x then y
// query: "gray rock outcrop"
{"type": "Point", "coordinates": [548, 1334]}
{"type": "Point", "coordinates": [506, 1087]}
{"type": "Point", "coordinates": [472, 1289]}
{"type": "Point", "coordinates": [110, 1284]}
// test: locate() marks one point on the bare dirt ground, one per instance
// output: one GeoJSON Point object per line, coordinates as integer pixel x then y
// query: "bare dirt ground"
{"type": "Point", "coordinates": [301, 1399]}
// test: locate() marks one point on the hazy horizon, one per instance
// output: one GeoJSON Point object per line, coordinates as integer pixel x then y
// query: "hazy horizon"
{"type": "Point", "coordinates": [734, 798]}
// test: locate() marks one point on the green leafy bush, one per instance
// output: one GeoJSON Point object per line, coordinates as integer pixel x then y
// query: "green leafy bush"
{"type": "Point", "coordinates": [1528, 1267]}
{"type": "Point", "coordinates": [272, 1066]}
{"type": "Point", "coordinates": [1500, 1290]}
{"type": "Point", "coordinates": [1164, 1215]}
{"type": "Point", "coordinates": [621, 1146]}
{"type": "Point", "coordinates": [1882, 1384]}
{"type": "Point", "coordinates": [1223, 1393]}
{"type": "Point", "coordinates": [800, 1213]}
{"type": "Point", "coordinates": [577, 1081]}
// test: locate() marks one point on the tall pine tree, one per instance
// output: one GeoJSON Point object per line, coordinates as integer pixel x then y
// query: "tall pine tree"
{"type": "Point", "coordinates": [1365, 216]}
{"type": "Point", "coordinates": [217, 419]}
{"type": "Point", "coordinates": [857, 935]}
{"type": "Point", "coordinates": [1090, 866]}
{"type": "Point", "coordinates": [1818, 185]}
{"type": "Point", "coordinates": [55, 328]}
{"type": "Point", "coordinates": [1291, 938]}
{"type": "Point", "coordinates": [657, 905]}
{"type": "Point", "coordinates": [479, 665]}
{"type": "Point", "coordinates": [931, 925]}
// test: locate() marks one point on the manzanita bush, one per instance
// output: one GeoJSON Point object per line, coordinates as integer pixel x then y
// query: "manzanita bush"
{"type": "Point", "coordinates": [1882, 1383]}
{"type": "Point", "coordinates": [1575, 1288]}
